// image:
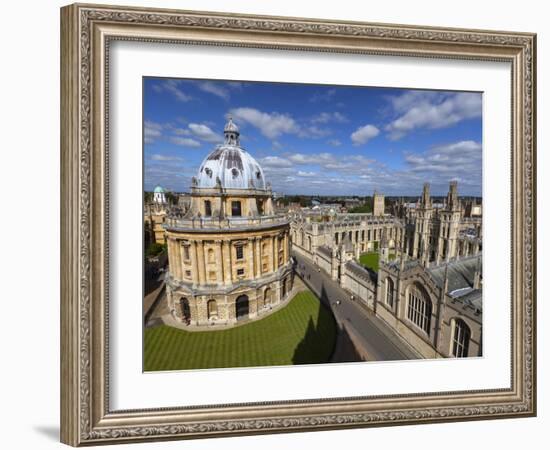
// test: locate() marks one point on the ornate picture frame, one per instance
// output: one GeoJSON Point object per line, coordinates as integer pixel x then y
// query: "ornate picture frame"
{"type": "Point", "coordinates": [86, 34]}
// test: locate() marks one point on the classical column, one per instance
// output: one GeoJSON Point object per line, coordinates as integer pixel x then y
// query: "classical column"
{"type": "Point", "coordinates": [285, 247]}
{"type": "Point", "coordinates": [179, 259]}
{"type": "Point", "coordinates": [194, 262]}
{"type": "Point", "coordinates": [250, 247]}
{"type": "Point", "coordinates": [171, 257]}
{"type": "Point", "coordinates": [219, 258]}
{"type": "Point", "coordinates": [258, 257]}
{"type": "Point", "coordinates": [275, 254]}
{"type": "Point", "coordinates": [200, 259]}
{"type": "Point", "coordinates": [227, 269]}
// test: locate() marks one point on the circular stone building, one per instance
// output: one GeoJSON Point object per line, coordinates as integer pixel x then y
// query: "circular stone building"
{"type": "Point", "coordinates": [229, 255]}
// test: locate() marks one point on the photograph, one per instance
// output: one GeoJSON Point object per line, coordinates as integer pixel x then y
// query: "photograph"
{"type": "Point", "coordinates": [292, 223]}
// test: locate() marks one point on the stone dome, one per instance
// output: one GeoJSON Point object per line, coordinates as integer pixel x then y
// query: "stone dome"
{"type": "Point", "coordinates": [231, 165]}
{"type": "Point", "coordinates": [234, 167]}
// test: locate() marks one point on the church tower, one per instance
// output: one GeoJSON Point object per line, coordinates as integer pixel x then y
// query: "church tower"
{"type": "Point", "coordinates": [449, 220]}
{"type": "Point", "coordinates": [422, 229]}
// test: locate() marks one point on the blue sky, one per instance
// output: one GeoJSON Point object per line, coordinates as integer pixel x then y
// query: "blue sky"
{"type": "Point", "coordinates": [317, 139]}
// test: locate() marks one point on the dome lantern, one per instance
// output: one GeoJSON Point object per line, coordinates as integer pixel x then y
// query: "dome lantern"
{"type": "Point", "coordinates": [231, 133]}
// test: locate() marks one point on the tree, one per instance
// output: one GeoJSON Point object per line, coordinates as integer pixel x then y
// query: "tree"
{"type": "Point", "coordinates": [154, 249]}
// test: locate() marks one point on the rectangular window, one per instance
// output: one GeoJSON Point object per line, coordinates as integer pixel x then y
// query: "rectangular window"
{"type": "Point", "coordinates": [368, 235]}
{"type": "Point", "coordinates": [207, 208]}
{"type": "Point", "coordinates": [240, 272]}
{"type": "Point", "coordinates": [236, 209]}
{"type": "Point", "coordinates": [187, 274]}
{"type": "Point", "coordinates": [186, 252]}
{"type": "Point", "coordinates": [239, 251]}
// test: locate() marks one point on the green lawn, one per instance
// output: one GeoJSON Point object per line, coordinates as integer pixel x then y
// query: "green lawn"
{"type": "Point", "coordinates": [303, 332]}
{"type": "Point", "coordinates": [370, 260]}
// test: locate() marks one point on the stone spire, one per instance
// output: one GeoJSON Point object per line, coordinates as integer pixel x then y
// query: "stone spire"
{"type": "Point", "coordinates": [452, 197]}
{"type": "Point", "coordinates": [426, 201]}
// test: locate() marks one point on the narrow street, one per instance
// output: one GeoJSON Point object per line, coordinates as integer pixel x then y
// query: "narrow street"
{"type": "Point", "coordinates": [379, 340]}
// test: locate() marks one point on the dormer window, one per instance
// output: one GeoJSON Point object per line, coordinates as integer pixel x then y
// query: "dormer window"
{"type": "Point", "coordinates": [208, 171]}
{"type": "Point", "coordinates": [235, 172]}
{"type": "Point", "coordinates": [258, 174]}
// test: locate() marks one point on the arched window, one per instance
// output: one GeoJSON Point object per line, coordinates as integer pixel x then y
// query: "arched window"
{"type": "Point", "coordinates": [267, 297]}
{"type": "Point", "coordinates": [389, 292]}
{"type": "Point", "coordinates": [461, 338]}
{"type": "Point", "coordinates": [212, 308]}
{"type": "Point", "coordinates": [241, 307]}
{"type": "Point", "coordinates": [419, 310]}
{"type": "Point", "coordinates": [309, 243]}
{"type": "Point", "coordinates": [185, 310]}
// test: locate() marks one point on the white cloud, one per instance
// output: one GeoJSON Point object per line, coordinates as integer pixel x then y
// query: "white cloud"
{"type": "Point", "coordinates": [185, 142]}
{"type": "Point", "coordinates": [334, 142]}
{"type": "Point", "coordinates": [430, 110]}
{"type": "Point", "coordinates": [327, 117]}
{"type": "Point", "coordinates": [172, 86]}
{"type": "Point", "coordinates": [204, 133]}
{"type": "Point", "coordinates": [313, 131]}
{"type": "Point", "coordinates": [159, 157]}
{"type": "Point", "coordinates": [323, 96]}
{"type": "Point", "coordinates": [307, 174]}
{"type": "Point", "coordinates": [215, 88]}
{"type": "Point", "coordinates": [151, 131]}
{"type": "Point", "coordinates": [301, 158]}
{"type": "Point", "coordinates": [363, 134]}
{"type": "Point", "coordinates": [271, 125]}
{"type": "Point", "coordinates": [275, 162]}
{"type": "Point", "coordinates": [461, 158]}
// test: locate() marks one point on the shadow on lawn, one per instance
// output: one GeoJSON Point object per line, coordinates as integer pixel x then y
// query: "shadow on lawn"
{"type": "Point", "coordinates": [313, 348]}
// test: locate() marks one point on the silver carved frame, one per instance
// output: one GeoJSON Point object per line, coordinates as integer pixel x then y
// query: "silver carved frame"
{"type": "Point", "coordinates": [86, 31]}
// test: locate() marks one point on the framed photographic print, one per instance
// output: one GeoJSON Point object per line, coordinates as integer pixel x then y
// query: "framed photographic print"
{"type": "Point", "coordinates": [277, 224]}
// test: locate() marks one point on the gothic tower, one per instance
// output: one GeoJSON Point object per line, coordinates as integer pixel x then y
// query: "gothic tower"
{"type": "Point", "coordinates": [422, 229]}
{"type": "Point", "coordinates": [449, 220]}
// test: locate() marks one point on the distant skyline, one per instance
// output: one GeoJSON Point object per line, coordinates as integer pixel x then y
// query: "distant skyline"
{"type": "Point", "coordinates": [317, 139]}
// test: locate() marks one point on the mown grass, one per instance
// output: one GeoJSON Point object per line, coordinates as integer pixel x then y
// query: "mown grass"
{"type": "Point", "coordinates": [370, 260]}
{"type": "Point", "coordinates": [303, 332]}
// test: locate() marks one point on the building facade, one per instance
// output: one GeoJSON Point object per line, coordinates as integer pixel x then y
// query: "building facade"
{"type": "Point", "coordinates": [155, 215]}
{"type": "Point", "coordinates": [229, 254]}
{"type": "Point", "coordinates": [437, 310]}
{"type": "Point", "coordinates": [428, 287]}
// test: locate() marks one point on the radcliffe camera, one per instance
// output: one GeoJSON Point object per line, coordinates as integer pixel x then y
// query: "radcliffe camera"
{"type": "Point", "coordinates": [288, 224]}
